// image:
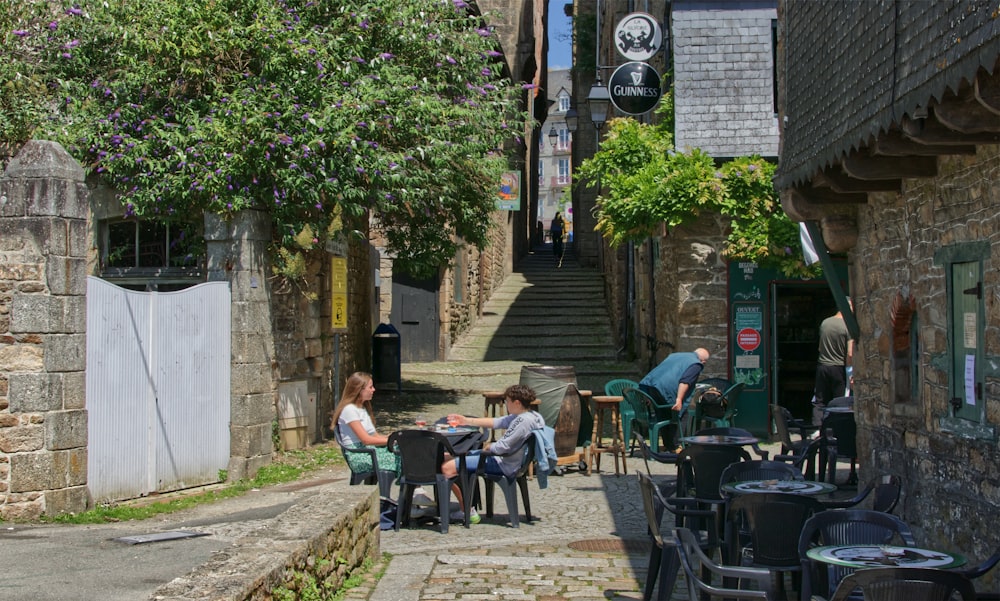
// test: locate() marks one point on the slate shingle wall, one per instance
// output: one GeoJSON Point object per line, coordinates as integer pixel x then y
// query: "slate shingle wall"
{"type": "Point", "coordinates": [853, 69]}
{"type": "Point", "coordinates": [723, 78]}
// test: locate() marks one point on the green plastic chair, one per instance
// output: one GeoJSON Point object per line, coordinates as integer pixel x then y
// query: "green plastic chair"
{"type": "Point", "coordinates": [651, 417]}
{"type": "Point", "coordinates": [618, 387]}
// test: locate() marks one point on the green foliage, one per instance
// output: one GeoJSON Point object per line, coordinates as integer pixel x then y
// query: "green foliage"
{"type": "Point", "coordinates": [644, 183]}
{"type": "Point", "coordinates": [320, 113]}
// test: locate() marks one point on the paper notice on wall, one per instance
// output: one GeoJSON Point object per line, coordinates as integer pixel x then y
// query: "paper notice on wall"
{"type": "Point", "coordinates": [747, 362]}
{"type": "Point", "coordinates": [969, 330]}
{"type": "Point", "coordinates": [970, 379]}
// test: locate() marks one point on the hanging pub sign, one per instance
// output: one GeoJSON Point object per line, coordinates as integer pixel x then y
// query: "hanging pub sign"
{"type": "Point", "coordinates": [638, 36]}
{"type": "Point", "coordinates": [510, 191]}
{"type": "Point", "coordinates": [635, 88]}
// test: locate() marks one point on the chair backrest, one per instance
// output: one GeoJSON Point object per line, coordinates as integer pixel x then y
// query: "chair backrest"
{"type": "Point", "coordinates": [891, 583]}
{"type": "Point", "coordinates": [774, 521]}
{"type": "Point", "coordinates": [758, 469]}
{"type": "Point", "coordinates": [617, 387]}
{"type": "Point", "coordinates": [648, 453]}
{"type": "Point", "coordinates": [844, 429]}
{"type": "Point", "coordinates": [700, 467]}
{"type": "Point", "coordinates": [641, 410]}
{"type": "Point", "coordinates": [780, 416]}
{"type": "Point", "coordinates": [421, 453]}
{"type": "Point", "coordinates": [651, 505]}
{"type": "Point", "coordinates": [886, 493]}
{"type": "Point", "coordinates": [698, 567]}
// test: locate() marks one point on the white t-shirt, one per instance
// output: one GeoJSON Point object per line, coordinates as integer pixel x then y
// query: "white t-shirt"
{"type": "Point", "coordinates": [353, 413]}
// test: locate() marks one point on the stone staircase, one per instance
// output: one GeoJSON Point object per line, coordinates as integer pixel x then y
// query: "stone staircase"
{"type": "Point", "coordinates": [543, 314]}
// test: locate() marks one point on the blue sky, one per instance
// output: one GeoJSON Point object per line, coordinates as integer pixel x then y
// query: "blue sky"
{"type": "Point", "coordinates": [560, 26]}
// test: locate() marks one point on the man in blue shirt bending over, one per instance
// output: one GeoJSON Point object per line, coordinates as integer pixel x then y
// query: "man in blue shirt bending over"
{"type": "Point", "coordinates": [671, 383]}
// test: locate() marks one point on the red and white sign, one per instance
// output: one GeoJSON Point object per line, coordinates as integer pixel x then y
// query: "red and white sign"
{"type": "Point", "coordinates": [748, 339]}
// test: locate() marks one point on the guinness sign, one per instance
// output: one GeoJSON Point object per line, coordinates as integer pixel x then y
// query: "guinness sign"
{"type": "Point", "coordinates": [635, 88]}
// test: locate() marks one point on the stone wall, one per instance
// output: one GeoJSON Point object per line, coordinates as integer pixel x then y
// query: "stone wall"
{"type": "Point", "coordinates": [681, 293]}
{"type": "Point", "coordinates": [325, 537]}
{"type": "Point", "coordinates": [951, 480]}
{"type": "Point", "coordinates": [43, 419]}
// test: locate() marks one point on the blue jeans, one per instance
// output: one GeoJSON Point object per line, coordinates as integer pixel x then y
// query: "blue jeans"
{"type": "Point", "coordinates": [472, 463]}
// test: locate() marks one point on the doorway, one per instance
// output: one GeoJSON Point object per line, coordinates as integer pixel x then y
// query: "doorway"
{"type": "Point", "coordinates": [799, 309]}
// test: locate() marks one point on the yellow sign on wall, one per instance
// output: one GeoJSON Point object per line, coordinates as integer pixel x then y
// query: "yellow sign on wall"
{"type": "Point", "coordinates": [338, 293]}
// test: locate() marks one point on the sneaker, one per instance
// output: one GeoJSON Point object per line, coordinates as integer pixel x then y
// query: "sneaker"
{"type": "Point", "coordinates": [459, 516]}
{"type": "Point", "coordinates": [422, 500]}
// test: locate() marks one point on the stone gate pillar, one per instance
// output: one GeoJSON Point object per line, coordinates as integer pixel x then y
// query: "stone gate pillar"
{"type": "Point", "coordinates": [43, 318]}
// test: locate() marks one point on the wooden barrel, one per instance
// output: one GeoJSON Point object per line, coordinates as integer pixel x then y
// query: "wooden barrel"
{"type": "Point", "coordinates": [555, 388]}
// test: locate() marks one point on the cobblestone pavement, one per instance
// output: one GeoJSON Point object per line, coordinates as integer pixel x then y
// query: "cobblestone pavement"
{"type": "Point", "coordinates": [588, 541]}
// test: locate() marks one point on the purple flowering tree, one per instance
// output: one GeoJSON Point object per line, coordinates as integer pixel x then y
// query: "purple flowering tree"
{"type": "Point", "coordinates": [320, 113]}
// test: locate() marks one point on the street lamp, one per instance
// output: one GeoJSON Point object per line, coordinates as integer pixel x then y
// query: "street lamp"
{"type": "Point", "coordinates": [571, 120]}
{"type": "Point", "coordinates": [553, 136]}
{"type": "Point", "coordinates": [598, 100]}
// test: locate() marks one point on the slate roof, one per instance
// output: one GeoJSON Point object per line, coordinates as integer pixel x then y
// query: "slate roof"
{"type": "Point", "coordinates": [853, 68]}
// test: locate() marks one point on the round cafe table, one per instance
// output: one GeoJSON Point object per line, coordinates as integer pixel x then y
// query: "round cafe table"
{"type": "Point", "coordinates": [795, 487]}
{"type": "Point", "coordinates": [874, 556]}
{"type": "Point", "coordinates": [720, 439]}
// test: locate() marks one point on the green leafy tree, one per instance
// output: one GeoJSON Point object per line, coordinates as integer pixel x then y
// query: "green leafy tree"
{"type": "Point", "coordinates": [645, 182]}
{"type": "Point", "coordinates": [318, 112]}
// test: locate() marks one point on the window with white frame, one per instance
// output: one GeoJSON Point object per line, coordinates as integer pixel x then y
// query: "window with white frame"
{"type": "Point", "coordinates": [564, 174]}
{"type": "Point", "coordinates": [541, 173]}
{"type": "Point", "coordinates": [563, 102]}
{"type": "Point", "coordinates": [564, 139]}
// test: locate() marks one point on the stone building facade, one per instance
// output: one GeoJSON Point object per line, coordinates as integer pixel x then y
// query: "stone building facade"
{"type": "Point", "coordinates": [903, 153]}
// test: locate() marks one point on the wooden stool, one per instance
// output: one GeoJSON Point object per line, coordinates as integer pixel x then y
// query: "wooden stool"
{"type": "Point", "coordinates": [603, 405]}
{"type": "Point", "coordinates": [493, 407]}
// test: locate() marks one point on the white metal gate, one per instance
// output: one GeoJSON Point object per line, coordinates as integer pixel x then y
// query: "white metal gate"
{"type": "Point", "coordinates": [158, 367]}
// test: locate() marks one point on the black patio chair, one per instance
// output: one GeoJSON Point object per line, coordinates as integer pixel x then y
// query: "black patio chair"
{"type": "Point", "coordinates": [891, 583]}
{"type": "Point", "coordinates": [699, 570]}
{"type": "Point", "coordinates": [802, 452]}
{"type": "Point", "coordinates": [980, 570]}
{"type": "Point", "coordinates": [844, 527]}
{"type": "Point", "coordinates": [839, 441]}
{"type": "Point", "coordinates": [421, 453]}
{"type": "Point", "coordinates": [773, 522]}
{"type": "Point", "coordinates": [663, 558]}
{"type": "Point", "coordinates": [884, 491]}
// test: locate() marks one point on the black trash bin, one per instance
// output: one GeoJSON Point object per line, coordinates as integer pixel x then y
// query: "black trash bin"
{"type": "Point", "coordinates": [386, 359]}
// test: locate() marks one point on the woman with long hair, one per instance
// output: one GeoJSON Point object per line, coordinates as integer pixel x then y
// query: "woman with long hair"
{"type": "Point", "coordinates": [355, 423]}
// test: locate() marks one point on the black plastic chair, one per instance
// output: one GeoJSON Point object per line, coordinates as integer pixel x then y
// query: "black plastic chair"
{"type": "Point", "coordinates": [773, 522]}
{"type": "Point", "coordinates": [883, 489]}
{"type": "Point", "coordinates": [377, 474]}
{"type": "Point", "coordinates": [510, 486]}
{"type": "Point", "coordinates": [844, 527]}
{"type": "Point", "coordinates": [421, 453]}
{"type": "Point", "coordinates": [839, 441]}
{"type": "Point", "coordinates": [980, 570]}
{"type": "Point", "coordinates": [890, 584]}
{"type": "Point", "coordinates": [694, 560]}
{"type": "Point", "coordinates": [666, 484]}
{"type": "Point", "coordinates": [724, 431]}
{"type": "Point", "coordinates": [663, 558]}
{"type": "Point", "coordinates": [801, 453]}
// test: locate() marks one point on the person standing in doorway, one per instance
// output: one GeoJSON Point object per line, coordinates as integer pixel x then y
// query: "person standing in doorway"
{"type": "Point", "coordinates": [836, 350]}
{"type": "Point", "coordinates": [556, 231]}
{"type": "Point", "coordinates": [671, 383]}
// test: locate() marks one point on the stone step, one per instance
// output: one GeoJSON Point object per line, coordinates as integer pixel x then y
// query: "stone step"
{"type": "Point", "coordinates": [595, 352]}
{"type": "Point", "coordinates": [473, 377]}
{"type": "Point", "coordinates": [566, 336]}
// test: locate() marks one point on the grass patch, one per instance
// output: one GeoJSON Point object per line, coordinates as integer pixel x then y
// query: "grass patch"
{"type": "Point", "coordinates": [286, 466]}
